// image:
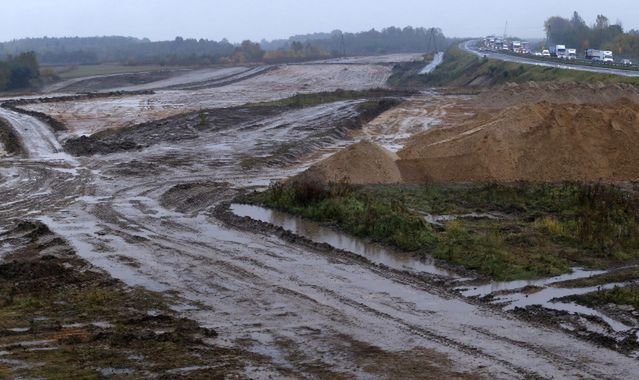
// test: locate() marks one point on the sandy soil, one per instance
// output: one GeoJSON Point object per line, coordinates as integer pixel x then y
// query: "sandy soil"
{"type": "Point", "coordinates": [538, 142]}
{"type": "Point", "coordinates": [361, 163]}
{"type": "Point", "coordinates": [513, 94]}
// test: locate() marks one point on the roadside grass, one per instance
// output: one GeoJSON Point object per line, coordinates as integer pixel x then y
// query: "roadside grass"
{"type": "Point", "coordinates": [462, 69]}
{"type": "Point", "coordinates": [536, 230]}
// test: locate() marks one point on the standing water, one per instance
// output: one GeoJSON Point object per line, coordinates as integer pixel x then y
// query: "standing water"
{"type": "Point", "coordinates": [320, 234]}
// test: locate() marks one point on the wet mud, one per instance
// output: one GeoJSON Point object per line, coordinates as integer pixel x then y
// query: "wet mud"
{"type": "Point", "coordinates": [156, 220]}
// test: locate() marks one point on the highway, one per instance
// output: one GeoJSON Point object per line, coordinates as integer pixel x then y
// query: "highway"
{"type": "Point", "coordinates": [470, 46]}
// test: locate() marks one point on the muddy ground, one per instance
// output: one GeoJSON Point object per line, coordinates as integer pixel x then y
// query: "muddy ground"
{"type": "Point", "coordinates": [147, 217]}
{"type": "Point", "coordinates": [61, 315]}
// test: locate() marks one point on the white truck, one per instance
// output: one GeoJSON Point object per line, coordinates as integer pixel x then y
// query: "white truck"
{"type": "Point", "coordinates": [561, 52]}
{"type": "Point", "coordinates": [603, 56]}
{"type": "Point", "coordinates": [572, 54]}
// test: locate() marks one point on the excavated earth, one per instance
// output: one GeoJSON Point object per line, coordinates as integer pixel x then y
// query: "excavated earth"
{"type": "Point", "coordinates": [519, 132]}
{"type": "Point", "coordinates": [144, 201]}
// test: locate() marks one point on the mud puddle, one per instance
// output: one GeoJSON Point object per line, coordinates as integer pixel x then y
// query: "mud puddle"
{"type": "Point", "coordinates": [320, 234]}
{"type": "Point", "coordinates": [528, 295]}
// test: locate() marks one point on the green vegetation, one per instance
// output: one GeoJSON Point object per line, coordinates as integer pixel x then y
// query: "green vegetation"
{"type": "Point", "coordinates": [354, 211]}
{"type": "Point", "coordinates": [540, 229]}
{"type": "Point", "coordinates": [617, 295]}
{"type": "Point", "coordinates": [465, 69]}
{"type": "Point", "coordinates": [19, 72]}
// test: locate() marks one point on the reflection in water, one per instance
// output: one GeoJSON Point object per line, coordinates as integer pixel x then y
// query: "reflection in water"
{"type": "Point", "coordinates": [320, 234]}
{"type": "Point", "coordinates": [484, 290]}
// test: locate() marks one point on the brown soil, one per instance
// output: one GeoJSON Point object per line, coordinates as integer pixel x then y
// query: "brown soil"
{"type": "Point", "coordinates": [361, 163]}
{"type": "Point", "coordinates": [84, 322]}
{"type": "Point", "coordinates": [9, 139]}
{"type": "Point", "coordinates": [512, 94]}
{"type": "Point", "coordinates": [537, 142]}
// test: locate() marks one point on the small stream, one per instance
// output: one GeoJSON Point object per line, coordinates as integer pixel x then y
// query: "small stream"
{"type": "Point", "coordinates": [320, 234]}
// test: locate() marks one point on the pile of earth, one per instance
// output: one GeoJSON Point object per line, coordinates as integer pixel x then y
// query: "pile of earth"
{"type": "Point", "coordinates": [361, 163]}
{"type": "Point", "coordinates": [512, 94]}
{"type": "Point", "coordinates": [535, 142]}
{"type": "Point", "coordinates": [539, 142]}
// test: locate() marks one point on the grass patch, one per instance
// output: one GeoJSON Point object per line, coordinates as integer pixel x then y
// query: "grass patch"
{"type": "Point", "coordinates": [617, 295]}
{"type": "Point", "coordinates": [460, 68]}
{"type": "Point", "coordinates": [543, 229]}
{"type": "Point", "coordinates": [353, 211]}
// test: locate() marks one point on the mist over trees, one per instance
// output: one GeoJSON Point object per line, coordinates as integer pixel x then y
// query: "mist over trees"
{"type": "Point", "coordinates": [602, 34]}
{"type": "Point", "coordinates": [19, 72]}
{"type": "Point", "coordinates": [181, 51]}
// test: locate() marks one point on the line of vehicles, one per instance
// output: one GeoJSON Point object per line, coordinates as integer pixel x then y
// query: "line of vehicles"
{"type": "Point", "coordinates": [554, 51]}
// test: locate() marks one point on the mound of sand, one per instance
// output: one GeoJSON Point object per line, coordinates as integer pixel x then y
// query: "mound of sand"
{"type": "Point", "coordinates": [361, 163]}
{"type": "Point", "coordinates": [534, 142]}
{"type": "Point", "coordinates": [512, 94]}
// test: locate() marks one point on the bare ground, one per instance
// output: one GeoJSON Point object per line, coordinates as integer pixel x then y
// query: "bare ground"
{"type": "Point", "coordinates": [147, 218]}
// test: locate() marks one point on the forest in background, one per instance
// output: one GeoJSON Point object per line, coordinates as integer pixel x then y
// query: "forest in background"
{"type": "Point", "coordinates": [188, 51]}
{"type": "Point", "coordinates": [602, 34]}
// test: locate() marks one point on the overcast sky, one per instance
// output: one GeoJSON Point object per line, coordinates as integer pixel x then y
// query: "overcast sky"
{"type": "Point", "coordinates": [270, 19]}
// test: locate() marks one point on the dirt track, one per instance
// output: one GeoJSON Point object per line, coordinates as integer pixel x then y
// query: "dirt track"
{"type": "Point", "coordinates": [146, 217]}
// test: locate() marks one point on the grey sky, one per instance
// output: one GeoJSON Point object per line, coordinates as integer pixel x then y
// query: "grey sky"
{"type": "Point", "coordinates": [257, 19]}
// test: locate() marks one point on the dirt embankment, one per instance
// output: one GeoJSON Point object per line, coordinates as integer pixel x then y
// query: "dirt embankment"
{"type": "Point", "coordinates": [10, 140]}
{"type": "Point", "coordinates": [512, 94]}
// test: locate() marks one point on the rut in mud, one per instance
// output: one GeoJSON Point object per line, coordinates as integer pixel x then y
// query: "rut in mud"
{"type": "Point", "coordinates": [147, 217]}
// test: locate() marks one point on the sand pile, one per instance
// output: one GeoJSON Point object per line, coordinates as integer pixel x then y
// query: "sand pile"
{"type": "Point", "coordinates": [361, 163]}
{"type": "Point", "coordinates": [535, 142]}
{"type": "Point", "coordinates": [512, 94]}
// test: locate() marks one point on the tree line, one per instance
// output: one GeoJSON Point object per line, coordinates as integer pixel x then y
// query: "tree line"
{"type": "Point", "coordinates": [602, 34]}
{"type": "Point", "coordinates": [188, 51]}
{"type": "Point", "coordinates": [19, 72]}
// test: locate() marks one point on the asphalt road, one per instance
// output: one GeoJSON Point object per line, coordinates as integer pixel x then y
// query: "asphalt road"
{"type": "Point", "coordinates": [469, 47]}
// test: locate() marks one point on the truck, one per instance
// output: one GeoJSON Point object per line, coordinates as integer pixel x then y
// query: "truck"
{"type": "Point", "coordinates": [604, 56]}
{"type": "Point", "coordinates": [572, 54]}
{"type": "Point", "coordinates": [559, 51]}
{"type": "Point", "coordinates": [516, 47]}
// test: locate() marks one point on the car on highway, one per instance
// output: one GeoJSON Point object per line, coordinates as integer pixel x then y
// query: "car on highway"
{"type": "Point", "coordinates": [626, 62]}
{"type": "Point", "coordinates": [546, 53]}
